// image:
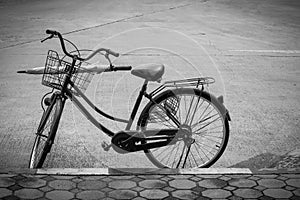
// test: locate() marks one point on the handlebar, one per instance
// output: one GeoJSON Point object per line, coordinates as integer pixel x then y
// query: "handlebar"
{"type": "Point", "coordinates": [58, 34]}
{"type": "Point", "coordinates": [122, 68]}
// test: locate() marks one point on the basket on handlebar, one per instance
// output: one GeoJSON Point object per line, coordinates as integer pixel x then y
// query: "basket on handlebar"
{"type": "Point", "coordinates": [56, 69]}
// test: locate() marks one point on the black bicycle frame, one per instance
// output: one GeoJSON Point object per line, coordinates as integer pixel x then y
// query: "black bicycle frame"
{"type": "Point", "coordinates": [68, 93]}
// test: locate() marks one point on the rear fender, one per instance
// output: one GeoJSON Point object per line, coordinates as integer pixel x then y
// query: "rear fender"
{"type": "Point", "coordinates": [221, 101]}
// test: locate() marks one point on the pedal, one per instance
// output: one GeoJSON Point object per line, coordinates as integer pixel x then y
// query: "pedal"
{"type": "Point", "coordinates": [105, 146]}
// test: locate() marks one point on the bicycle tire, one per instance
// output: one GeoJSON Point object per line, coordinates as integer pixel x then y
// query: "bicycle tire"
{"type": "Point", "coordinates": [152, 117]}
{"type": "Point", "coordinates": [46, 133]}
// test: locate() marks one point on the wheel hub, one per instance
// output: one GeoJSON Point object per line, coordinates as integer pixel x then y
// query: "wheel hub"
{"type": "Point", "coordinates": [186, 134]}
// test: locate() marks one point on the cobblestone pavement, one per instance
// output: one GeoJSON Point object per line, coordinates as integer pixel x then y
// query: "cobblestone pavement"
{"type": "Point", "coordinates": [262, 185]}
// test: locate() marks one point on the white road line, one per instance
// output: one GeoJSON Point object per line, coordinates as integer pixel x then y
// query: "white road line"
{"type": "Point", "coordinates": [269, 51]}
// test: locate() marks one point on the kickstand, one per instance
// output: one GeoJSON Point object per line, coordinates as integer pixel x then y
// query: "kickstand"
{"type": "Point", "coordinates": [105, 146]}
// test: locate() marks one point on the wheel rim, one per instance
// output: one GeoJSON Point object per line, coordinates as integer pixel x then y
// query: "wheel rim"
{"type": "Point", "coordinates": [40, 144]}
{"type": "Point", "coordinates": [204, 137]}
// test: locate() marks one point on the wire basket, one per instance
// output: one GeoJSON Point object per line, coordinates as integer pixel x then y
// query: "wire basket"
{"type": "Point", "coordinates": [56, 70]}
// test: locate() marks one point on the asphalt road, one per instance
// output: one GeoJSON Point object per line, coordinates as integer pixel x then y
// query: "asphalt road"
{"type": "Point", "coordinates": [251, 48]}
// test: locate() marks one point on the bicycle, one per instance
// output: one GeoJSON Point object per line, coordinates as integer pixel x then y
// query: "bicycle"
{"type": "Point", "coordinates": [182, 125]}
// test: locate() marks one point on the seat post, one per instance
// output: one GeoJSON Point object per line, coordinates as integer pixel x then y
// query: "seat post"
{"type": "Point", "coordinates": [137, 104]}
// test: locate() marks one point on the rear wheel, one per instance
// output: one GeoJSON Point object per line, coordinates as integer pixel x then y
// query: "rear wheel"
{"type": "Point", "coordinates": [46, 133]}
{"type": "Point", "coordinates": [203, 128]}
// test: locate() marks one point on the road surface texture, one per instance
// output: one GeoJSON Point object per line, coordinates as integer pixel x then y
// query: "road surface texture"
{"type": "Point", "coordinates": [251, 48]}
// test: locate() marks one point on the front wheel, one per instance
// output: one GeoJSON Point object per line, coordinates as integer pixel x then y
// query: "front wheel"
{"type": "Point", "coordinates": [46, 132]}
{"type": "Point", "coordinates": [202, 123]}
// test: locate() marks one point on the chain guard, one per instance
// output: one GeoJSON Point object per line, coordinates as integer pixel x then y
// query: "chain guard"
{"type": "Point", "coordinates": [123, 142]}
{"type": "Point", "coordinates": [131, 141]}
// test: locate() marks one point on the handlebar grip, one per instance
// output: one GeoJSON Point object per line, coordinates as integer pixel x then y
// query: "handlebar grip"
{"type": "Point", "coordinates": [113, 53]}
{"type": "Point", "coordinates": [51, 32]}
{"type": "Point", "coordinates": [122, 68]}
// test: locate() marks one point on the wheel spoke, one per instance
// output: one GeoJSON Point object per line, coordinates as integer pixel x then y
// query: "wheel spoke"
{"type": "Point", "coordinates": [203, 133]}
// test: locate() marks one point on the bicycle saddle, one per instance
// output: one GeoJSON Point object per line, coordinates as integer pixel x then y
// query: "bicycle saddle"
{"type": "Point", "coordinates": [150, 72]}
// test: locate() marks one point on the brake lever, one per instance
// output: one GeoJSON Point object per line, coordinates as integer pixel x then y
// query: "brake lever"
{"type": "Point", "coordinates": [47, 38]}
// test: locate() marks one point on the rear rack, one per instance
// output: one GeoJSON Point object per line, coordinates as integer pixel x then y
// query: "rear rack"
{"type": "Point", "coordinates": [192, 82]}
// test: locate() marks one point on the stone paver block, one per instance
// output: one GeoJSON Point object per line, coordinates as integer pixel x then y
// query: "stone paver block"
{"type": "Point", "coordinates": [291, 175]}
{"type": "Point", "coordinates": [266, 198]}
{"type": "Point", "coordinates": [122, 177]}
{"type": "Point", "coordinates": [181, 176]}
{"type": "Point", "coordinates": [138, 189]}
{"type": "Point", "coordinates": [154, 194]}
{"type": "Point", "coordinates": [6, 182]}
{"type": "Point", "coordinates": [46, 189]}
{"type": "Point", "coordinates": [235, 198]}
{"type": "Point", "coordinates": [136, 179]}
{"type": "Point", "coordinates": [281, 178]}
{"type": "Point", "coordinates": [182, 184]}
{"type": "Point", "coordinates": [229, 188]}
{"type": "Point", "coordinates": [216, 193]}
{"type": "Point", "coordinates": [75, 190]}
{"type": "Point", "coordinates": [224, 178]}
{"type": "Point", "coordinates": [18, 177]}
{"type": "Point", "coordinates": [254, 178]}
{"type": "Point", "coordinates": [184, 194]}
{"type": "Point", "coordinates": [77, 180]}
{"type": "Point", "coordinates": [7, 175]}
{"type": "Point", "coordinates": [122, 184]}
{"type": "Point", "coordinates": [139, 198]}
{"type": "Point", "coordinates": [238, 176]}
{"type": "Point", "coordinates": [14, 187]}
{"type": "Point", "coordinates": [297, 192]}
{"type": "Point", "coordinates": [106, 189]}
{"type": "Point", "coordinates": [64, 177]}
{"type": "Point", "coordinates": [122, 194]}
{"type": "Point", "coordinates": [271, 183]}
{"type": "Point", "coordinates": [260, 187]}
{"type": "Point", "coordinates": [195, 178]}
{"type": "Point", "coordinates": [248, 193]}
{"type": "Point", "coordinates": [294, 182]}
{"type": "Point", "coordinates": [90, 194]}
{"type": "Point", "coordinates": [266, 176]}
{"type": "Point", "coordinates": [91, 185]}
{"type": "Point", "coordinates": [166, 178]}
{"type": "Point", "coordinates": [169, 189]}
{"type": "Point", "coordinates": [32, 182]}
{"type": "Point", "coordinates": [28, 193]}
{"type": "Point", "coordinates": [203, 176]}
{"type": "Point", "coordinates": [33, 176]}
{"type": "Point", "coordinates": [198, 189]}
{"type": "Point", "coordinates": [62, 184]}
{"type": "Point", "coordinates": [243, 183]}
{"type": "Point", "coordinates": [278, 193]}
{"type": "Point", "coordinates": [212, 183]}
{"type": "Point", "coordinates": [289, 188]}
{"type": "Point", "coordinates": [106, 179]}
{"type": "Point", "coordinates": [91, 178]}
{"type": "Point", "coordinates": [49, 178]}
{"type": "Point", "coordinates": [59, 194]}
{"type": "Point", "coordinates": [153, 184]}
{"type": "Point", "coordinates": [4, 192]}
